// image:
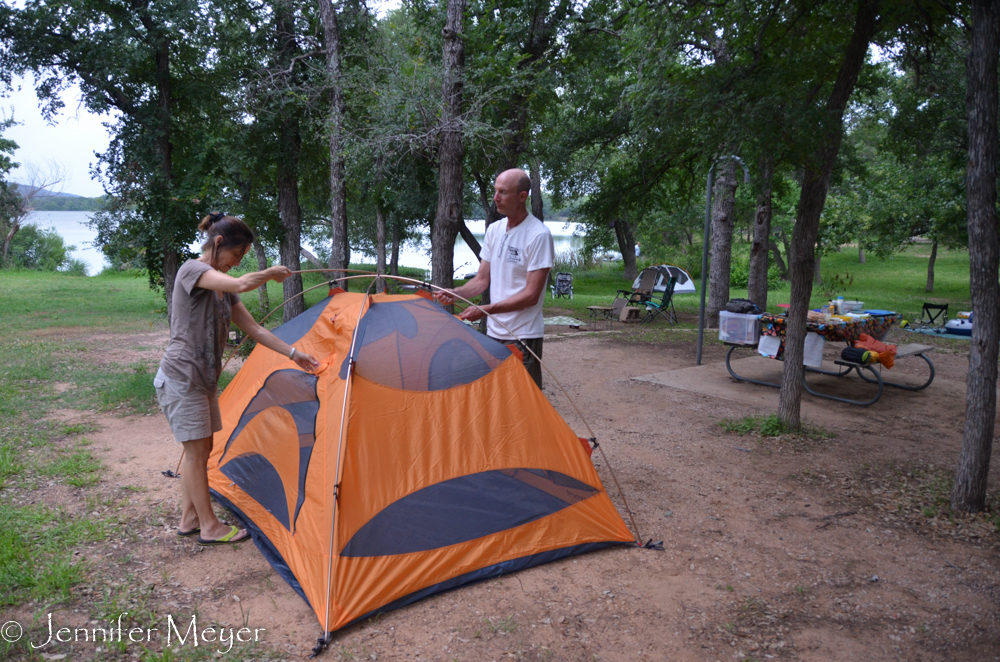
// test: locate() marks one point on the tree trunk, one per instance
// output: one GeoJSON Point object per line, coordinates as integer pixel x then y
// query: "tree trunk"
{"type": "Point", "coordinates": [486, 200]}
{"type": "Point", "coordinates": [721, 251]}
{"type": "Point", "coordinates": [171, 263]}
{"type": "Point", "coordinates": [757, 283]}
{"type": "Point", "coordinates": [815, 185]}
{"type": "Point", "coordinates": [340, 249]}
{"type": "Point", "coordinates": [930, 268]}
{"type": "Point", "coordinates": [379, 247]}
{"type": "Point", "coordinates": [470, 240]}
{"type": "Point", "coordinates": [537, 206]}
{"type": "Point", "coordinates": [9, 237]}
{"type": "Point", "coordinates": [782, 268]}
{"type": "Point", "coordinates": [448, 219]}
{"type": "Point", "coordinates": [394, 257]}
{"type": "Point", "coordinates": [969, 492]}
{"type": "Point", "coordinates": [861, 254]}
{"type": "Point", "coordinates": [290, 214]}
{"type": "Point", "coordinates": [817, 276]}
{"type": "Point", "coordinates": [258, 249]}
{"type": "Point", "coordinates": [626, 245]}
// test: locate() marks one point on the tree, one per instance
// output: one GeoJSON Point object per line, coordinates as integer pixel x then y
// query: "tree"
{"type": "Point", "coordinates": [145, 64]}
{"type": "Point", "coordinates": [22, 202]}
{"type": "Point", "coordinates": [340, 249]}
{"type": "Point", "coordinates": [451, 151]}
{"type": "Point", "coordinates": [969, 492]}
{"type": "Point", "coordinates": [815, 184]}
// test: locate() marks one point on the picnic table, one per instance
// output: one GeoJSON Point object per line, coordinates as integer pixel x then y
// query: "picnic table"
{"type": "Point", "coordinates": [847, 331]}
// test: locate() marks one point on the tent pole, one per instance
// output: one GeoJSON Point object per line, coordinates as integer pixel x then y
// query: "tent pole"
{"type": "Point", "coordinates": [340, 445]}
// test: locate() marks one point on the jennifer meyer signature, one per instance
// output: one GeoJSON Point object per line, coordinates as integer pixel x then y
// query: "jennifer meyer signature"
{"type": "Point", "coordinates": [11, 631]}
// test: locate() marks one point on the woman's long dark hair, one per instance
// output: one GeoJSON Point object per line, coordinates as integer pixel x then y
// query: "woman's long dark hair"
{"type": "Point", "coordinates": [234, 232]}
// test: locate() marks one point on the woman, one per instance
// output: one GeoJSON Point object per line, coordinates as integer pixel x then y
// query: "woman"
{"type": "Point", "coordinates": [205, 301]}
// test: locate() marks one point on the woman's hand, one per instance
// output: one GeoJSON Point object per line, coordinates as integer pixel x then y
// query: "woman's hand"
{"type": "Point", "coordinates": [278, 273]}
{"type": "Point", "coordinates": [305, 361]}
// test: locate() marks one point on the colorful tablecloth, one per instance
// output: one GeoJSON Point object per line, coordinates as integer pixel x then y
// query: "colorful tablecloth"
{"type": "Point", "coordinates": [835, 331]}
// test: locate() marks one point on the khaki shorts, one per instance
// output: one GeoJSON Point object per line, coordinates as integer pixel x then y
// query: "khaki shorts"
{"type": "Point", "coordinates": [192, 414]}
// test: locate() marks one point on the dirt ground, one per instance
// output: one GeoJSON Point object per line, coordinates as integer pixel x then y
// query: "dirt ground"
{"type": "Point", "coordinates": [789, 548]}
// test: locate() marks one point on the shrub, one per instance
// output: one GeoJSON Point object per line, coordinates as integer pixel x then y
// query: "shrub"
{"type": "Point", "coordinates": [39, 249]}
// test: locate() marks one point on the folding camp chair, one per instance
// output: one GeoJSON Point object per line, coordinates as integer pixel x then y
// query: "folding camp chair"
{"type": "Point", "coordinates": [643, 293]}
{"type": "Point", "coordinates": [664, 307]}
{"type": "Point", "coordinates": [563, 285]}
{"type": "Point", "coordinates": [934, 314]}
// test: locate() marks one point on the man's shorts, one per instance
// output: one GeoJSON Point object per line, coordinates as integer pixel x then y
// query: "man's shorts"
{"type": "Point", "coordinates": [531, 364]}
{"type": "Point", "coordinates": [192, 414]}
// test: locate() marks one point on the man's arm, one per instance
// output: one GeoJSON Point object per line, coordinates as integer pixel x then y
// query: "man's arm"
{"type": "Point", "coordinates": [473, 288]}
{"type": "Point", "coordinates": [527, 297]}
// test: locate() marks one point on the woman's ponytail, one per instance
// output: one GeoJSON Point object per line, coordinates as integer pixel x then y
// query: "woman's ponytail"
{"type": "Point", "coordinates": [234, 232]}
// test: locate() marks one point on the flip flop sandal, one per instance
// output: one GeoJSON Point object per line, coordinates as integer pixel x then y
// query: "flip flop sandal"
{"type": "Point", "coordinates": [188, 534]}
{"type": "Point", "coordinates": [226, 539]}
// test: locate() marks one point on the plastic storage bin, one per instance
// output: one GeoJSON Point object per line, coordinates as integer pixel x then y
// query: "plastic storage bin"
{"type": "Point", "coordinates": [853, 306]}
{"type": "Point", "coordinates": [738, 328]}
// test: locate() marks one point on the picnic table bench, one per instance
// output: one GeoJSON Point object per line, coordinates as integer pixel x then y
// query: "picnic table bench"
{"type": "Point", "coordinates": [849, 332]}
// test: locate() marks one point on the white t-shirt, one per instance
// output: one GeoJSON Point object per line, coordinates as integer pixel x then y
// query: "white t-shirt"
{"type": "Point", "coordinates": [512, 254]}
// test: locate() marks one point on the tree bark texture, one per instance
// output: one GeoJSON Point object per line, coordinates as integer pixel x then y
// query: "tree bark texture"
{"type": "Point", "coordinates": [470, 240]}
{"type": "Point", "coordinates": [776, 254]}
{"type": "Point", "coordinates": [289, 148]}
{"type": "Point", "coordinates": [394, 257]}
{"type": "Point", "coordinates": [721, 252]}
{"type": "Point", "coordinates": [817, 275]}
{"type": "Point", "coordinates": [930, 268]}
{"type": "Point", "coordinates": [969, 491]}
{"type": "Point", "coordinates": [815, 185]}
{"type": "Point", "coordinates": [448, 220]}
{"type": "Point", "coordinates": [861, 254]}
{"type": "Point", "coordinates": [626, 246]}
{"type": "Point", "coordinates": [537, 206]}
{"type": "Point", "coordinates": [379, 247]}
{"type": "Point", "coordinates": [340, 250]}
{"type": "Point", "coordinates": [258, 249]}
{"type": "Point", "coordinates": [757, 283]}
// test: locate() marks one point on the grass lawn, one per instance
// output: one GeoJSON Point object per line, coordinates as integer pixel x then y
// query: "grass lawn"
{"type": "Point", "coordinates": [893, 284]}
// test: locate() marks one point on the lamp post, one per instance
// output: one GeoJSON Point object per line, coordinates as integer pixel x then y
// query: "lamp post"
{"type": "Point", "coordinates": [704, 246]}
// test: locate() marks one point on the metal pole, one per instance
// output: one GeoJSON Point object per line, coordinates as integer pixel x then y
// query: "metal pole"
{"type": "Point", "coordinates": [704, 262]}
{"type": "Point", "coordinates": [704, 245]}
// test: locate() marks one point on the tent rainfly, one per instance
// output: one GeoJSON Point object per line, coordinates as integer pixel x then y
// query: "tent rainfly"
{"type": "Point", "coordinates": [420, 457]}
{"type": "Point", "coordinates": [684, 281]}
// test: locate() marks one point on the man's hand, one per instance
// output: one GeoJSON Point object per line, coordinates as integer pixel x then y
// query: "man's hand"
{"type": "Point", "coordinates": [472, 313]}
{"type": "Point", "coordinates": [445, 297]}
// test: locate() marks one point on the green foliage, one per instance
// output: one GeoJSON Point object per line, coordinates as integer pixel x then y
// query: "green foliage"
{"type": "Point", "coordinates": [36, 248]}
{"type": "Point", "coordinates": [835, 285]}
{"type": "Point", "coordinates": [131, 391]}
{"type": "Point", "coordinates": [67, 203]}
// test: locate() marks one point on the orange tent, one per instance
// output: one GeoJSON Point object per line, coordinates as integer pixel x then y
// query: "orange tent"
{"type": "Point", "coordinates": [418, 458]}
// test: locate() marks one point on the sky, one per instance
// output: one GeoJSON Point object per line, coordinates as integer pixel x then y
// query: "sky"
{"type": "Point", "coordinates": [69, 144]}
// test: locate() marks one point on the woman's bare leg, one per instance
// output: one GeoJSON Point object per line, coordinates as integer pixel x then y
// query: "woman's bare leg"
{"type": "Point", "coordinates": [196, 502]}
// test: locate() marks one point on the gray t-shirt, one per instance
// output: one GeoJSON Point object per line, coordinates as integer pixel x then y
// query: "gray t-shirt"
{"type": "Point", "coordinates": [199, 327]}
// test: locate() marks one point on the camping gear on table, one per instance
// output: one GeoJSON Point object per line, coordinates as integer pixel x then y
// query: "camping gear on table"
{"type": "Point", "coordinates": [563, 285]}
{"type": "Point", "coordinates": [738, 329]}
{"type": "Point", "coordinates": [685, 283]}
{"type": "Point", "coordinates": [742, 306]}
{"type": "Point", "coordinates": [418, 458]}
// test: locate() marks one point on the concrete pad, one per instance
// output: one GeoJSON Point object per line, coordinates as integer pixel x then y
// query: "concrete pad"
{"type": "Point", "coordinates": [714, 380]}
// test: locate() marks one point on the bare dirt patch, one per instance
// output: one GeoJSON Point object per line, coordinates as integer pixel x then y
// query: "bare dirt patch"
{"type": "Point", "coordinates": [775, 548]}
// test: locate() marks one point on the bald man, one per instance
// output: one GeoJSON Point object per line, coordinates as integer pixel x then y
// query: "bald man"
{"type": "Point", "coordinates": [516, 258]}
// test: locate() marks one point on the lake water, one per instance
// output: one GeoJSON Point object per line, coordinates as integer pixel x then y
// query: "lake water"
{"type": "Point", "coordinates": [72, 227]}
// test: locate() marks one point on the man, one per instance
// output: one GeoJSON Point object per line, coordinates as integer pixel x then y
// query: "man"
{"type": "Point", "coordinates": [516, 258]}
